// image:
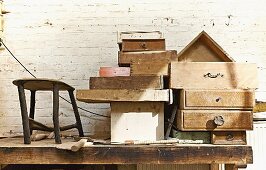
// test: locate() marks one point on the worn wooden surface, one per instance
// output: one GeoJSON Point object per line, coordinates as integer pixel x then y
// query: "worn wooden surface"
{"type": "Point", "coordinates": [13, 151]}
{"type": "Point", "coordinates": [127, 82]}
{"type": "Point", "coordinates": [138, 35]}
{"type": "Point", "coordinates": [217, 99]}
{"type": "Point", "coordinates": [137, 121]}
{"type": "Point", "coordinates": [149, 68]}
{"type": "Point", "coordinates": [214, 166]}
{"type": "Point", "coordinates": [126, 58]}
{"type": "Point", "coordinates": [230, 167]}
{"type": "Point", "coordinates": [106, 96]}
{"type": "Point", "coordinates": [213, 75]}
{"type": "Point", "coordinates": [114, 71]}
{"type": "Point", "coordinates": [143, 45]}
{"type": "Point", "coordinates": [203, 49]}
{"type": "Point", "coordinates": [229, 138]}
{"type": "Point", "coordinates": [203, 120]}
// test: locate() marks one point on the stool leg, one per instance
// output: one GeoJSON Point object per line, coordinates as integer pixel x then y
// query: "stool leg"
{"type": "Point", "coordinates": [24, 114]}
{"type": "Point", "coordinates": [56, 114]}
{"type": "Point", "coordinates": [32, 106]}
{"type": "Point", "coordinates": [76, 112]}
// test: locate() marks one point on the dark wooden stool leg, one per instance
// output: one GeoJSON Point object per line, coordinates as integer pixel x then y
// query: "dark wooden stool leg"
{"type": "Point", "coordinates": [76, 112]}
{"type": "Point", "coordinates": [24, 114]}
{"type": "Point", "coordinates": [56, 113]}
{"type": "Point", "coordinates": [32, 106]}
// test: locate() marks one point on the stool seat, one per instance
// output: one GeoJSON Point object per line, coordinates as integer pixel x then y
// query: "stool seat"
{"type": "Point", "coordinates": [55, 86]}
{"type": "Point", "coordinates": [42, 84]}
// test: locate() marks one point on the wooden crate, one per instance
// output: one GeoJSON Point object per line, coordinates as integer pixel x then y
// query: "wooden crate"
{"type": "Point", "coordinates": [126, 58]}
{"type": "Point", "coordinates": [127, 82]}
{"type": "Point", "coordinates": [203, 49]}
{"type": "Point", "coordinates": [210, 120]}
{"type": "Point", "coordinates": [143, 45]}
{"type": "Point", "coordinates": [217, 99]}
{"type": "Point", "coordinates": [137, 121]}
{"type": "Point", "coordinates": [229, 138]}
{"type": "Point", "coordinates": [119, 95]}
{"type": "Point", "coordinates": [213, 75]}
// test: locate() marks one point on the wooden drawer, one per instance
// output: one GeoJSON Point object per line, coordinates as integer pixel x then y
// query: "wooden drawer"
{"type": "Point", "coordinates": [229, 138]}
{"type": "Point", "coordinates": [149, 69]}
{"type": "Point", "coordinates": [217, 99]}
{"type": "Point", "coordinates": [143, 45]}
{"type": "Point", "coordinates": [214, 120]}
{"type": "Point", "coordinates": [213, 75]}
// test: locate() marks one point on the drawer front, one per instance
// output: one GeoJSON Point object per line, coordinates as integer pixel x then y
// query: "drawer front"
{"type": "Point", "coordinates": [213, 75]}
{"type": "Point", "coordinates": [143, 45]}
{"type": "Point", "coordinates": [217, 99]}
{"type": "Point", "coordinates": [214, 120]}
{"type": "Point", "coordinates": [229, 138]}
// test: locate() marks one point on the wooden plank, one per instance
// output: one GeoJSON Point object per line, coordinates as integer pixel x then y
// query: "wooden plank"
{"type": "Point", "coordinates": [106, 96]}
{"type": "Point", "coordinates": [126, 116]}
{"type": "Point", "coordinates": [203, 49]}
{"type": "Point", "coordinates": [213, 75]}
{"type": "Point", "coordinates": [231, 167]}
{"type": "Point", "coordinates": [127, 82]}
{"type": "Point", "coordinates": [143, 45]}
{"type": "Point", "coordinates": [214, 166]}
{"type": "Point", "coordinates": [217, 99]}
{"type": "Point", "coordinates": [204, 120]}
{"type": "Point", "coordinates": [138, 35]}
{"type": "Point", "coordinates": [13, 151]}
{"type": "Point", "coordinates": [149, 69]}
{"type": "Point", "coordinates": [229, 138]}
{"type": "Point", "coordinates": [126, 58]}
{"type": "Point", "coordinates": [114, 71]}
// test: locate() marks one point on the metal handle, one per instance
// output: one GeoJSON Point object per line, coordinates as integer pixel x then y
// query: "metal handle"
{"type": "Point", "coordinates": [229, 137]}
{"type": "Point", "coordinates": [218, 120]}
{"type": "Point", "coordinates": [210, 75]}
{"type": "Point", "coordinates": [143, 45]}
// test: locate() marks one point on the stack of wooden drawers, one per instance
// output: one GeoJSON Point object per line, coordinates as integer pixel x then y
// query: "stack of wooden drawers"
{"type": "Point", "coordinates": [137, 100]}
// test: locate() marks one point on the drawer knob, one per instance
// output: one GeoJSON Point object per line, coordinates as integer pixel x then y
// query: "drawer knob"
{"type": "Point", "coordinates": [218, 99]}
{"type": "Point", "coordinates": [210, 75]}
{"type": "Point", "coordinates": [218, 120]}
{"type": "Point", "coordinates": [230, 137]}
{"type": "Point", "coordinates": [143, 45]}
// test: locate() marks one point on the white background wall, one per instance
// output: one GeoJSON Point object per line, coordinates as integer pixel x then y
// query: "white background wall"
{"type": "Point", "coordinates": [70, 40]}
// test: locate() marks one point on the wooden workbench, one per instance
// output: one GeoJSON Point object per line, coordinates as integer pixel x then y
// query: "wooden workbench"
{"type": "Point", "coordinates": [13, 151]}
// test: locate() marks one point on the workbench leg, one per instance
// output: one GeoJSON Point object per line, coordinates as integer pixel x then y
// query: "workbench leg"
{"type": "Point", "coordinates": [214, 166]}
{"type": "Point", "coordinates": [76, 112]}
{"type": "Point", "coordinates": [56, 113]}
{"type": "Point", "coordinates": [24, 114]}
{"type": "Point", "coordinates": [231, 167]}
{"type": "Point", "coordinates": [32, 106]}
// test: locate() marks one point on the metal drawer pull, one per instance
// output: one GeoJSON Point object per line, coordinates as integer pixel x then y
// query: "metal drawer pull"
{"type": "Point", "coordinates": [143, 45]}
{"type": "Point", "coordinates": [230, 137]}
{"type": "Point", "coordinates": [218, 120]}
{"type": "Point", "coordinates": [213, 75]}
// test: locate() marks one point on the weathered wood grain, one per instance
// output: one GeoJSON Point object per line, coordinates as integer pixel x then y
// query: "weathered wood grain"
{"type": "Point", "coordinates": [126, 58]}
{"type": "Point", "coordinates": [15, 152]}
{"type": "Point", "coordinates": [213, 75]}
{"type": "Point", "coordinates": [203, 120]}
{"type": "Point", "coordinates": [143, 45]}
{"type": "Point", "coordinates": [217, 99]}
{"type": "Point", "coordinates": [229, 138]}
{"type": "Point", "coordinates": [149, 68]}
{"type": "Point", "coordinates": [127, 82]}
{"type": "Point", "coordinates": [114, 71]}
{"type": "Point", "coordinates": [106, 96]}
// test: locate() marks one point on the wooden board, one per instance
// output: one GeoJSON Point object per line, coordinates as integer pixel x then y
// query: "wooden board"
{"type": "Point", "coordinates": [149, 69]}
{"type": "Point", "coordinates": [127, 119]}
{"type": "Point", "coordinates": [127, 82]}
{"type": "Point", "coordinates": [203, 49]}
{"type": "Point", "coordinates": [229, 138]}
{"type": "Point", "coordinates": [126, 58]}
{"type": "Point", "coordinates": [114, 71]}
{"type": "Point", "coordinates": [203, 120]}
{"type": "Point", "coordinates": [143, 45]}
{"type": "Point", "coordinates": [217, 99]}
{"type": "Point", "coordinates": [106, 96]}
{"type": "Point", "coordinates": [13, 151]}
{"type": "Point", "coordinates": [213, 75]}
{"type": "Point", "coordinates": [138, 35]}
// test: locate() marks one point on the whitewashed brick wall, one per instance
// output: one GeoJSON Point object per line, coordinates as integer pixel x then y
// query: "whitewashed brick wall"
{"type": "Point", "coordinates": [69, 40]}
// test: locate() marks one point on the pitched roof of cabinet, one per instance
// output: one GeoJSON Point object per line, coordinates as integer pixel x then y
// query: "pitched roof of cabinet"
{"type": "Point", "coordinates": [203, 49]}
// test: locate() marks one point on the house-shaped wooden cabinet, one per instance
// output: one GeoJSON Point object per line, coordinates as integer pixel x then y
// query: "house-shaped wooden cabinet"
{"type": "Point", "coordinates": [203, 49]}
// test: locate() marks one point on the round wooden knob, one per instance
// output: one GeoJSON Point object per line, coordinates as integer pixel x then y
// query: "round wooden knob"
{"type": "Point", "coordinates": [218, 120]}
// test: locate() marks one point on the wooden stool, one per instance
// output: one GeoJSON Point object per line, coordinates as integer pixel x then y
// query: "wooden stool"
{"type": "Point", "coordinates": [45, 85]}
